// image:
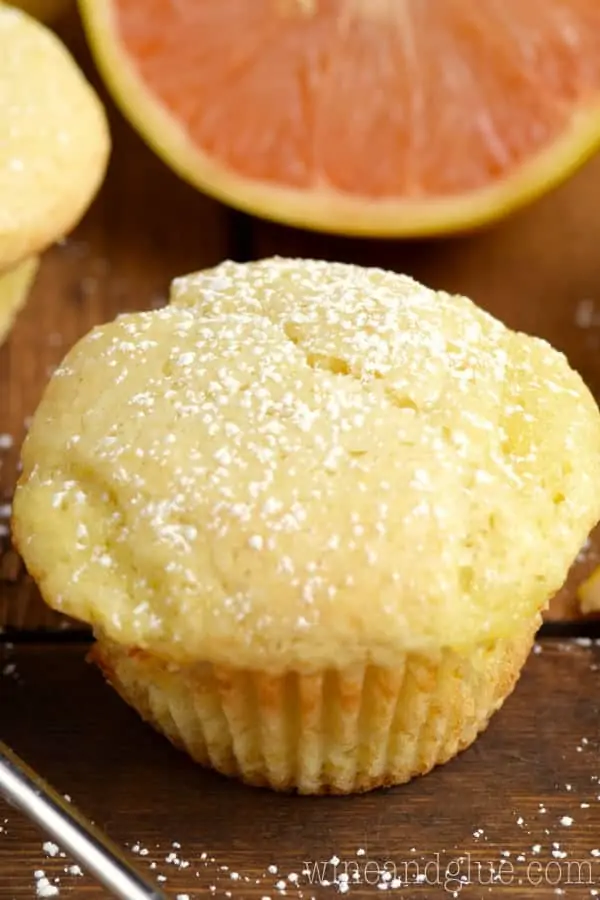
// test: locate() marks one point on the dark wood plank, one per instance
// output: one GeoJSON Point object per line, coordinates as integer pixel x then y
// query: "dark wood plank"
{"type": "Point", "coordinates": [505, 799]}
{"type": "Point", "coordinates": [538, 271]}
{"type": "Point", "coordinates": [145, 227]}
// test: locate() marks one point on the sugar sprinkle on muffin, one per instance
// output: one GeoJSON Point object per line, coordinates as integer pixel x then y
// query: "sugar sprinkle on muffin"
{"type": "Point", "coordinates": [313, 512]}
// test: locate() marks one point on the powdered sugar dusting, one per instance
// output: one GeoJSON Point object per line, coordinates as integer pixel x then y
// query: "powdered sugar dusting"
{"type": "Point", "coordinates": [269, 399]}
{"type": "Point", "coordinates": [535, 843]}
{"type": "Point", "coordinates": [43, 886]}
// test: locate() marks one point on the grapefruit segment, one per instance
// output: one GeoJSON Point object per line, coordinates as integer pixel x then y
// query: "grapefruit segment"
{"type": "Point", "coordinates": [361, 116]}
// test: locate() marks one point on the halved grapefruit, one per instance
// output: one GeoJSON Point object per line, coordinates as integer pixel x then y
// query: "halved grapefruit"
{"type": "Point", "coordinates": [381, 117]}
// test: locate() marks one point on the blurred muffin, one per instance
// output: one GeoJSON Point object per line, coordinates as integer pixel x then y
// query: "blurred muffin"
{"type": "Point", "coordinates": [312, 512]}
{"type": "Point", "coordinates": [14, 290]}
{"type": "Point", "coordinates": [55, 141]}
{"type": "Point", "coordinates": [588, 593]}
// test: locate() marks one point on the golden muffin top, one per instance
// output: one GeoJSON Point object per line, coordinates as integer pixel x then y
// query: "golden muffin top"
{"type": "Point", "coordinates": [306, 464]}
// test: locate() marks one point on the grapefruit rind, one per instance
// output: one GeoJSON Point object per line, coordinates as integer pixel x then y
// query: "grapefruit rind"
{"type": "Point", "coordinates": [325, 209]}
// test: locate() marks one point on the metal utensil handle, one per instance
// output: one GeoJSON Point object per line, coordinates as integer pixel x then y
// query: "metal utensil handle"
{"type": "Point", "coordinates": [27, 791]}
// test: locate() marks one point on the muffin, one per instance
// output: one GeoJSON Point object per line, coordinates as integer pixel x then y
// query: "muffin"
{"type": "Point", "coordinates": [14, 291]}
{"type": "Point", "coordinates": [312, 513]}
{"type": "Point", "coordinates": [55, 141]}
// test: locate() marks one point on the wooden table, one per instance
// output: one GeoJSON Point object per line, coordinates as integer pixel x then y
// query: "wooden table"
{"type": "Point", "coordinates": [525, 800]}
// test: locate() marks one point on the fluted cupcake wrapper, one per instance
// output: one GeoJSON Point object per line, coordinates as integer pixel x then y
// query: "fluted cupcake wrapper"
{"type": "Point", "coordinates": [329, 732]}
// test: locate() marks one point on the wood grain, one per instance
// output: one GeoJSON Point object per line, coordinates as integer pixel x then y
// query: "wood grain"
{"type": "Point", "coordinates": [539, 271]}
{"type": "Point", "coordinates": [537, 763]}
